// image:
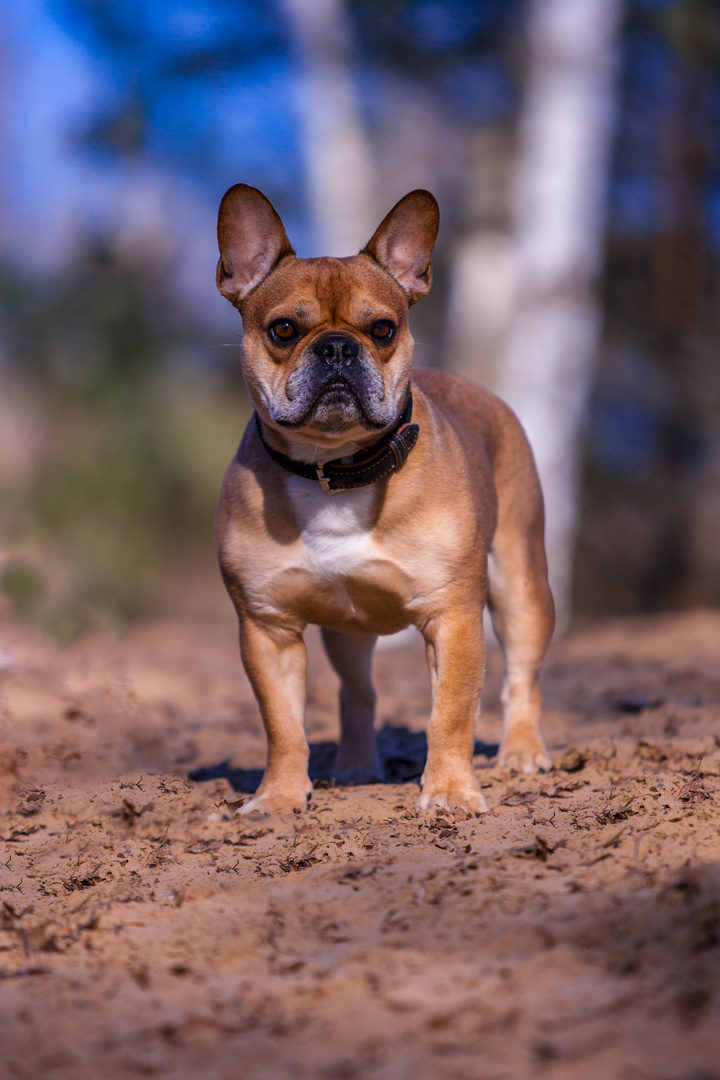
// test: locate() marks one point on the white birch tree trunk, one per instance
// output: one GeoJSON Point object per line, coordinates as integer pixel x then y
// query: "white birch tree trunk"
{"type": "Point", "coordinates": [480, 307]}
{"type": "Point", "coordinates": [338, 163]}
{"type": "Point", "coordinates": [565, 140]}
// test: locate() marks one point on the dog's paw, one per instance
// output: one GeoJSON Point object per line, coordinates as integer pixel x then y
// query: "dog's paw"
{"type": "Point", "coordinates": [358, 764]}
{"type": "Point", "coordinates": [453, 796]}
{"type": "Point", "coordinates": [527, 757]}
{"type": "Point", "coordinates": [357, 775]}
{"type": "Point", "coordinates": [365, 770]}
{"type": "Point", "coordinates": [274, 801]}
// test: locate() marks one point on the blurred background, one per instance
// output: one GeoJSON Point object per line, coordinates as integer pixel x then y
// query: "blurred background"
{"type": "Point", "coordinates": [574, 149]}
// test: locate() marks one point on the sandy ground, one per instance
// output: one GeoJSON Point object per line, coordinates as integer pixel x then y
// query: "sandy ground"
{"type": "Point", "coordinates": [573, 932]}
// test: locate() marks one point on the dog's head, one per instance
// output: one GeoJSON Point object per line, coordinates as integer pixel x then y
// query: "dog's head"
{"type": "Point", "coordinates": [327, 349]}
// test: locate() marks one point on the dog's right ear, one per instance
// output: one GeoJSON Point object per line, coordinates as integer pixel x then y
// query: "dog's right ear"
{"type": "Point", "coordinates": [252, 240]}
{"type": "Point", "coordinates": [403, 242]}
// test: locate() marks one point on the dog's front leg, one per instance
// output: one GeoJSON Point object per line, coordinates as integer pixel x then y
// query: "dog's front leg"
{"type": "Point", "coordinates": [276, 663]}
{"type": "Point", "coordinates": [456, 657]}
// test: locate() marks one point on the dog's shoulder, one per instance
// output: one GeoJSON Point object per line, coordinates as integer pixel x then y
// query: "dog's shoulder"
{"type": "Point", "coordinates": [459, 398]}
{"type": "Point", "coordinates": [475, 413]}
{"type": "Point", "coordinates": [253, 496]}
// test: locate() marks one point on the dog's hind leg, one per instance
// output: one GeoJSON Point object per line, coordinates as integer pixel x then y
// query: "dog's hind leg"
{"type": "Point", "coordinates": [523, 617]}
{"type": "Point", "coordinates": [358, 760]}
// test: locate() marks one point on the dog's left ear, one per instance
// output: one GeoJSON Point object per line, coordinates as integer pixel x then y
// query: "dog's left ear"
{"type": "Point", "coordinates": [252, 241]}
{"type": "Point", "coordinates": [403, 242]}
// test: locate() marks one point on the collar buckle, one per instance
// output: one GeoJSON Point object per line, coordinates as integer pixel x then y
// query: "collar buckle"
{"type": "Point", "coordinates": [324, 480]}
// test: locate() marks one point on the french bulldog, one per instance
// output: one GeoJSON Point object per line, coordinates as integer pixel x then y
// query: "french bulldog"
{"type": "Point", "coordinates": [365, 498]}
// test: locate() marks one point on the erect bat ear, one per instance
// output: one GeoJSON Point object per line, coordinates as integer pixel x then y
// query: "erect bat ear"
{"type": "Point", "coordinates": [403, 242]}
{"type": "Point", "coordinates": [252, 240]}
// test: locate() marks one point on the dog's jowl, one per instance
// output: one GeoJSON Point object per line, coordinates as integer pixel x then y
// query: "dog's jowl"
{"type": "Point", "coordinates": [365, 498]}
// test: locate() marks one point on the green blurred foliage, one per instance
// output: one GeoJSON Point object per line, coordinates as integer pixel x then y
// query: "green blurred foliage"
{"type": "Point", "coordinates": [22, 583]}
{"type": "Point", "coordinates": [135, 437]}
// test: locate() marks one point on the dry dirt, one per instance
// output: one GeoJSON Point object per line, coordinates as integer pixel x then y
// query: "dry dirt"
{"type": "Point", "coordinates": [573, 932]}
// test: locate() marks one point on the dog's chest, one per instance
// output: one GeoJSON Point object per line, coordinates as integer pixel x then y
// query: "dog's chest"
{"type": "Point", "coordinates": [336, 530]}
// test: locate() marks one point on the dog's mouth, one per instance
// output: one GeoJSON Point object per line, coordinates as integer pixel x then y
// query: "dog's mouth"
{"type": "Point", "coordinates": [336, 404]}
{"type": "Point", "coordinates": [333, 398]}
{"type": "Point", "coordinates": [340, 401]}
{"type": "Point", "coordinates": [338, 392]}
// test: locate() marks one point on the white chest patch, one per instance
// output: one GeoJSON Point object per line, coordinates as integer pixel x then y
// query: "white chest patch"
{"type": "Point", "coordinates": [335, 528]}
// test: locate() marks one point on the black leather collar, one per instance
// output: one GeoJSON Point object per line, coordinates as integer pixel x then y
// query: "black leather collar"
{"type": "Point", "coordinates": [365, 467]}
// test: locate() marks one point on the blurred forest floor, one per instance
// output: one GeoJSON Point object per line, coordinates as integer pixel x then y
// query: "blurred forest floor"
{"type": "Point", "coordinates": [571, 933]}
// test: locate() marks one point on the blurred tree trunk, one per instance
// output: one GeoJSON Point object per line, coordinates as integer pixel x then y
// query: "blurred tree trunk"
{"type": "Point", "coordinates": [482, 269]}
{"type": "Point", "coordinates": [565, 137]}
{"type": "Point", "coordinates": [337, 160]}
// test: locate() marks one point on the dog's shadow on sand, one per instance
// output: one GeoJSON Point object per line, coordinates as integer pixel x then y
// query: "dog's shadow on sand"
{"type": "Point", "coordinates": [402, 752]}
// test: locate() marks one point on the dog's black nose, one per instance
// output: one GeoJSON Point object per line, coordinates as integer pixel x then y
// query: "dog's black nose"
{"type": "Point", "coordinates": [336, 348]}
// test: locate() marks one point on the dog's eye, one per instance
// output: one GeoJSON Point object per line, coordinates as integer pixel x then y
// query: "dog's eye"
{"type": "Point", "coordinates": [383, 331]}
{"type": "Point", "coordinates": [283, 331]}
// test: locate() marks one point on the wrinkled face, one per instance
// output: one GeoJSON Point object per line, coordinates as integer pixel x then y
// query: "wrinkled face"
{"type": "Point", "coordinates": [327, 349]}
